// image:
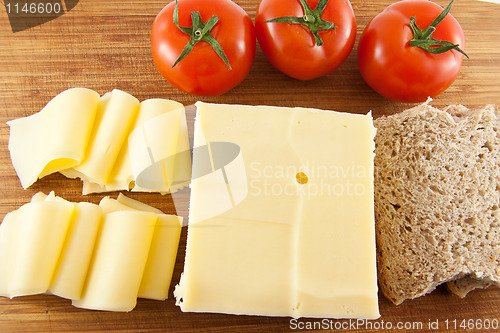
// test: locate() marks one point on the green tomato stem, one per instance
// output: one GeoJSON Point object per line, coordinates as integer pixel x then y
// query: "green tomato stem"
{"type": "Point", "coordinates": [199, 31]}
{"type": "Point", "coordinates": [311, 20]}
{"type": "Point", "coordinates": [424, 39]}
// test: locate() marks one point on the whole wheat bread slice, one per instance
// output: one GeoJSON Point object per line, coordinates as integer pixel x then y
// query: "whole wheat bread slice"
{"type": "Point", "coordinates": [437, 191]}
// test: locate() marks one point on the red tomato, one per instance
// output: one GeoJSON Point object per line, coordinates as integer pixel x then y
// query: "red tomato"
{"type": "Point", "coordinates": [203, 72]}
{"type": "Point", "coordinates": [399, 71]}
{"type": "Point", "coordinates": [293, 50]}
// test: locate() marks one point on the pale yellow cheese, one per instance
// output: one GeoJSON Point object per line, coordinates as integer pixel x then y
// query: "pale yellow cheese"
{"type": "Point", "coordinates": [109, 205]}
{"type": "Point", "coordinates": [112, 143]}
{"type": "Point", "coordinates": [335, 249]}
{"type": "Point", "coordinates": [160, 265]}
{"type": "Point", "coordinates": [116, 113]}
{"type": "Point", "coordinates": [31, 239]}
{"type": "Point", "coordinates": [6, 263]}
{"type": "Point", "coordinates": [55, 138]}
{"type": "Point", "coordinates": [301, 243]}
{"type": "Point", "coordinates": [165, 134]}
{"type": "Point", "coordinates": [153, 153]}
{"type": "Point", "coordinates": [118, 262]}
{"type": "Point", "coordinates": [137, 205]}
{"type": "Point", "coordinates": [163, 250]}
{"type": "Point", "coordinates": [71, 271]}
{"type": "Point", "coordinates": [39, 196]}
{"type": "Point", "coordinates": [159, 148]}
{"type": "Point", "coordinates": [101, 257]}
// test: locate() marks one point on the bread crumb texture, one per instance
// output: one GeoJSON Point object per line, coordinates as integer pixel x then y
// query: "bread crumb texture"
{"type": "Point", "coordinates": [437, 191]}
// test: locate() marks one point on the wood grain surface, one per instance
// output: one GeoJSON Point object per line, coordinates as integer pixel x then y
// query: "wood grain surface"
{"type": "Point", "coordinates": [105, 44]}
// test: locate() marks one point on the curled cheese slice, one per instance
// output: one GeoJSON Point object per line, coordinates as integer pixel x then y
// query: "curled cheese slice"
{"type": "Point", "coordinates": [55, 138]}
{"type": "Point", "coordinates": [40, 196]}
{"type": "Point", "coordinates": [153, 147]}
{"type": "Point", "coordinates": [118, 263]}
{"type": "Point", "coordinates": [162, 253]}
{"type": "Point", "coordinates": [161, 258]}
{"type": "Point", "coordinates": [74, 259]}
{"type": "Point", "coordinates": [159, 151]}
{"type": "Point", "coordinates": [31, 239]}
{"type": "Point", "coordinates": [101, 257]}
{"type": "Point", "coordinates": [71, 270]}
{"type": "Point", "coordinates": [160, 264]}
{"type": "Point", "coordinates": [112, 143]}
{"type": "Point", "coordinates": [116, 113]}
{"type": "Point", "coordinates": [157, 136]}
{"type": "Point", "coordinates": [137, 205]}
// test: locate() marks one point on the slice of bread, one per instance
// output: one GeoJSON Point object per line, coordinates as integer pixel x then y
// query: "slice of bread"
{"type": "Point", "coordinates": [437, 191]}
{"type": "Point", "coordinates": [463, 286]}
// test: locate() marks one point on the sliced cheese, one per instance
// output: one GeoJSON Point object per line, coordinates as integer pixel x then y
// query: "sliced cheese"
{"type": "Point", "coordinates": [39, 196]}
{"type": "Point", "coordinates": [163, 250]}
{"type": "Point", "coordinates": [160, 132]}
{"type": "Point", "coordinates": [31, 239]}
{"type": "Point", "coordinates": [71, 271]}
{"type": "Point", "coordinates": [112, 143]}
{"type": "Point", "coordinates": [153, 147]}
{"type": "Point", "coordinates": [137, 205]}
{"type": "Point", "coordinates": [157, 137]}
{"type": "Point", "coordinates": [116, 113]}
{"type": "Point", "coordinates": [55, 138]}
{"type": "Point", "coordinates": [335, 236]}
{"type": "Point", "coordinates": [118, 262]}
{"type": "Point", "coordinates": [101, 257]}
{"type": "Point", "coordinates": [301, 243]}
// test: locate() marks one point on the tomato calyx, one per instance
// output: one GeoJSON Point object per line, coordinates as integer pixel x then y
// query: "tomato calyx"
{"type": "Point", "coordinates": [424, 39]}
{"type": "Point", "coordinates": [311, 20]}
{"type": "Point", "coordinates": [199, 31]}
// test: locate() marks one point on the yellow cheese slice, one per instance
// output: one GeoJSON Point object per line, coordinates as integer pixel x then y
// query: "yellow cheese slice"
{"type": "Point", "coordinates": [137, 205]}
{"type": "Point", "coordinates": [39, 196]}
{"type": "Point", "coordinates": [159, 268]}
{"type": "Point", "coordinates": [31, 239]}
{"type": "Point", "coordinates": [102, 257]}
{"type": "Point", "coordinates": [157, 148]}
{"type": "Point", "coordinates": [182, 158]}
{"type": "Point", "coordinates": [118, 262]}
{"type": "Point", "coordinates": [55, 138]}
{"type": "Point", "coordinates": [161, 258]}
{"type": "Point", "coordinates": [109, 205]}
{"type": "Point", "coordinates": [116, 113]}
{"type": "Point", "coordinates": [163, 250]}
{"type": "Point", "coordinates": [71, 270]}
{"type": "Point", "coordinates": [7, 237]}
{"type": "Point", "coordinates": [301, 243]}
{"type": "Point", "coordinates": [335, 236]}
{"type": "Point", "coordinates": [153, 146]}
{"type": "Point", "coordinates": [112, 143]}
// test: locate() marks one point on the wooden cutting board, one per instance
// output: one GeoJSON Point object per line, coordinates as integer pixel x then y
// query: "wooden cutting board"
{"type": "Point", "coordinates": [104, 45]}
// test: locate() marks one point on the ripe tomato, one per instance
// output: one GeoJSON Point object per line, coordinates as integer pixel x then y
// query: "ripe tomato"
{"type": "Point", "coordinates": [399, 71]}
{"type": "Point", "coordinates": [293, 49]}
{"type": "Point", "coordinates": [203, 71]}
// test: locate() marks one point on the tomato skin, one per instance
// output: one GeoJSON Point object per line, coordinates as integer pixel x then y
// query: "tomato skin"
{"type": "Point", "coordinates": [402, 72]}
{"type": "Point", "coordinates": [202, 72]}
{"type": "Point", "coordinates": [292, 49]}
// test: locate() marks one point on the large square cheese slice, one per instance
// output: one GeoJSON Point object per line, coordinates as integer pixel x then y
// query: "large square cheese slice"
{"type": "Point", "coordinates": [281, 215]}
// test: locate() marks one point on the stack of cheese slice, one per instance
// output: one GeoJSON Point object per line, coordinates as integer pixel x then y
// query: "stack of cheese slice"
{"type": "Point", "coordinates": [286, 228]}
{"type": "Point", "coordinates": [102, 257]}
{"type": "Point", "coordinates": [111, 142]}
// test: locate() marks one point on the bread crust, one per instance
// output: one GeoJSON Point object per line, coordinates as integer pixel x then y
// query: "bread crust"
{"type": "Point", "coordinates": [461, 287]}
{"type": "Point", "coordinates": [437, 197]}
